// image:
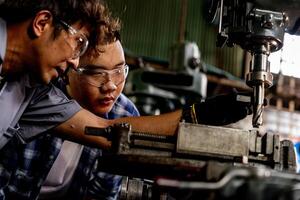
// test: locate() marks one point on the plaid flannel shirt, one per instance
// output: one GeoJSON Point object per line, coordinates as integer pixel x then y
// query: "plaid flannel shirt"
{"type": "Point", "coordinates": [87, 179]}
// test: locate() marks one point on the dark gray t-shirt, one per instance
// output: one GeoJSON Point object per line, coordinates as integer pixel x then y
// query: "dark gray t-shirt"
{"type": "Point", "coordinates": [41, 107]}
{"type": "Point", "coordinates": [48, 108]}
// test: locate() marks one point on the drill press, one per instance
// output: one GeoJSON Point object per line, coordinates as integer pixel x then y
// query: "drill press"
{"type": "Point", "coordinates": [258, 31]}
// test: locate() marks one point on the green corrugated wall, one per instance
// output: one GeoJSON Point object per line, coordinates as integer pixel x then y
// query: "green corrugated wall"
{"type": "Point", "coordinates": [150, 28]}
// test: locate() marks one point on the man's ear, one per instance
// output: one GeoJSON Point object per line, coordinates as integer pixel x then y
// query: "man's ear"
{"type": "Point", "coordinates": [41, 22]}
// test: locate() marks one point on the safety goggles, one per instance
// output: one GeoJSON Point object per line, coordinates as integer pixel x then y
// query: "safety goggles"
{"type": "Point", "coordinates": [76, 40]}
{"type": "Point", "coordinates": [98, 77]}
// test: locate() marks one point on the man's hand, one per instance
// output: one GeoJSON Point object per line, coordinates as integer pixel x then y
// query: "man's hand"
{"type": "Point", "coordinates": [222, 109]}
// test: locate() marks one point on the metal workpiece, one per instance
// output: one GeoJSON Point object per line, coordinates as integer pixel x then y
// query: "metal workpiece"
{"type": "Point", "coordinates": [196, 144]}
{"type": "Point", "coordinates": [213, 141]}
{"type": "Point", "coordinates": [236, 145]}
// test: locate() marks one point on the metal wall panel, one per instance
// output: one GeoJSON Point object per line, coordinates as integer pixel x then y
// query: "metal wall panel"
{"type": "Point", "coordinates": [151, 27]}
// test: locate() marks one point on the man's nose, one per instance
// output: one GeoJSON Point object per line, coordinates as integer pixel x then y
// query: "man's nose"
{"type": "Point", "coordinates": [73, 62]}
{"type": "Point", "coordinates": [108, 86]}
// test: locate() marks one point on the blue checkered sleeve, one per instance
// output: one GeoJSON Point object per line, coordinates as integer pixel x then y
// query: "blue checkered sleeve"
{"type": "Point", "coordinates": [23, 171]}
{"type": "Point", "coordinates": [100, 185]}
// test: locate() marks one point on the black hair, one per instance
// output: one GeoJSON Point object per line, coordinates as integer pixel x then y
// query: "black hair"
{"type": "Point", "coordinates": [93, 13]}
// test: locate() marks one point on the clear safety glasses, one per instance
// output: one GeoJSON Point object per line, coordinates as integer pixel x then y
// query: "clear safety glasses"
{"type": "Point", "coordinates": [77, 41]}
{"type": "Point", "coordinates": [98, 77]}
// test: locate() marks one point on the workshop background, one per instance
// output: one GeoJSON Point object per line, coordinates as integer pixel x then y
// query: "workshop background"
{"type": "Point", "coordinates": [151, 30]}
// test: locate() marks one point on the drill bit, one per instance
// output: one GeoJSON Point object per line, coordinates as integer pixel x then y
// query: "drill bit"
{"type": "Point", "coordinates": [258, 105]}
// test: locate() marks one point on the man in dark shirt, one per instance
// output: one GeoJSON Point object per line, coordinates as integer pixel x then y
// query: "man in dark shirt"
{"type": "Point", "coordinates": [97, 85]}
